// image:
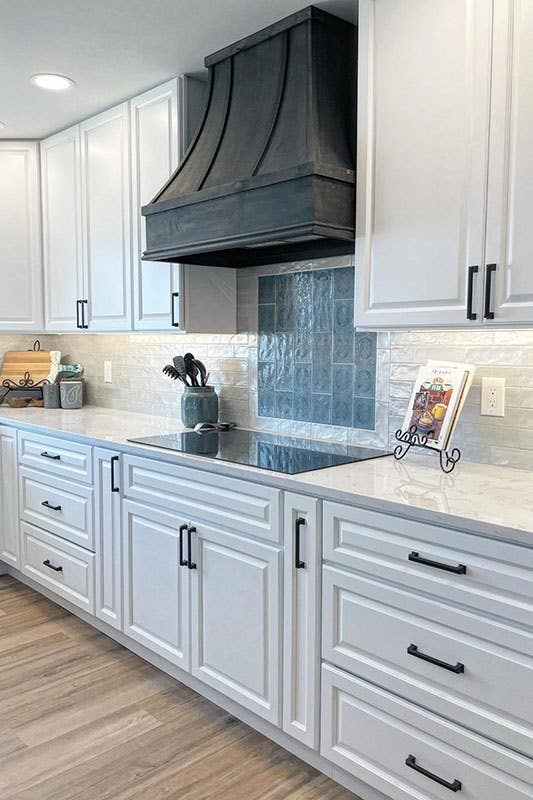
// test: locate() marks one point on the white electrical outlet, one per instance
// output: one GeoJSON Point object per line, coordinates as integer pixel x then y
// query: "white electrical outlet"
{"type": "Point", "coordinates": [108, 372]}
{"type": "Point", "coordinates": [493, 397]}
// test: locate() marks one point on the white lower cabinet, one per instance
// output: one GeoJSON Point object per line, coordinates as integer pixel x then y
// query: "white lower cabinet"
{"type": "Point", "coordinates": [156, 587]}
{"type": "Point", "coordinates": [236, 618]}
{"type": "Point", "coordinates": [9, 525]}
{"type": "Point", "coordinates": [107, 537]}
{"type": "Point", "coordinates": [301, 618]}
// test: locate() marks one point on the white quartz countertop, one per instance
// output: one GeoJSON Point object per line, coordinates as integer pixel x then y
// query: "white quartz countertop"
{"type": "Point", "coordinates": [479, 498]}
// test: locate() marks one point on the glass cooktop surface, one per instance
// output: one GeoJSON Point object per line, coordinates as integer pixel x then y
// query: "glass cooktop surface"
{"type": "Point", "coordinates": [287, 454]}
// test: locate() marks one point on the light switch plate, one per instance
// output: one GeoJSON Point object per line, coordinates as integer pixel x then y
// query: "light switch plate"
{"type": "Point", "coordinates": [493, 397]}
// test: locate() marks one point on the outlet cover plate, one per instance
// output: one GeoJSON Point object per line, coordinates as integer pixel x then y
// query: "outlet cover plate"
{"type": "Point", "coordinates": [493, 397]}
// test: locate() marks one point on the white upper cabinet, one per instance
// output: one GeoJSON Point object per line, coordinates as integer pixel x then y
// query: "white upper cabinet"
{"type": "Point", "coordinates": [423, 133]}
{"type": "Point", "coordinates": [106, 231]}
{"type": "Point", "coordinates": [20, 238]}
{"type": "Point", "coordinates": [61, 203]}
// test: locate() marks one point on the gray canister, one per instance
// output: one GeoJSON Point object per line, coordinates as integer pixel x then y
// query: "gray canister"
{"type": "Point", "coordinates": [199, 404]}
{"type": "Point", "coordinates": [71, 394]}
{"type": "Point", "coordinates": [51, 395]}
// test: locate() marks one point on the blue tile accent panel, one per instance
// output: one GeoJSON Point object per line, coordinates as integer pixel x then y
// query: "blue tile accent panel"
{"type": "Point", "coordinates": [313, 365]}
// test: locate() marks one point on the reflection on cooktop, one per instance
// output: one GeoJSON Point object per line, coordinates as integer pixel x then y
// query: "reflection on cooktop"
{"type": "Point", "coordinates": [287, 454]}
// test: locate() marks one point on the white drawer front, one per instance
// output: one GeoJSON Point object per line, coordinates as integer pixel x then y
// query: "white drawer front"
{"type": "Point", "coordinates": [497, 577]}
{"type": "Point", "coordinates": [237, 505]}
{"type": "Point", "coordinates": [59, 506]}
{"type": "Point", "coordinates": [62, 567]}
{"type": "Point", "coordinates": [377, 631]}
{"type": "Point", "coordinates": [56, 456]}
{"type": "Point", "coordinates": [372, 734]}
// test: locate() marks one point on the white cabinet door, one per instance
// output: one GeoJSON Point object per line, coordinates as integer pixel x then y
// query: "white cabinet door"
{"type": "Point", "coordinates": [156, 587]}
{"type": "Point", "coordinates": [236, 605]}
{"type": "Point", "coordinates": [9, 523]}
{"type": "Point", "coordinates": [510, 197]}
{"type": "Point", "coordinates": [155, 150]}
{"type": "Point", "coordinates": [301, 619]}
{"type": "Point", "coordinates": [21, 307]}
{"type": "Point", "coordinates": [423, 133]}
{"type": "Point", "coordinates": [62, 247]}
{"type": "Point", "coordinates": [105, 181]}
{"type": "Point", "coordinates": [107, 540]}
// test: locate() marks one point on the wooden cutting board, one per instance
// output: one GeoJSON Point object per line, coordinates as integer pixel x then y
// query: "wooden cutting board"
{"type": "Point", "coordinates": [17, 362]}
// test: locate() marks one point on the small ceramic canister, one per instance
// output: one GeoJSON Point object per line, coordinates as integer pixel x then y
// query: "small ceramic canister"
{"type": "Point", "coordinates": [71, 394]}
{"type": "Point", "coordinates": [51, 395]}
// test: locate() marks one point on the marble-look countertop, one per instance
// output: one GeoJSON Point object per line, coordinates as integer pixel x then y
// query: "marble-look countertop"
{"type": "Point", "coordinates": [479, 498]}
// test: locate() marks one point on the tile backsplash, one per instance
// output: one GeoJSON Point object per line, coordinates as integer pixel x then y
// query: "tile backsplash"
{"type": "Point", "coordinates": [138, 384]}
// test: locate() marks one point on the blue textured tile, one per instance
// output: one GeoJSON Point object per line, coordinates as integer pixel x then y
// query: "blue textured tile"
{"type": "Point", "coordinates": [284, 377]}
{"type": "Point", "coordinates": [343, 283]}
{"type": "Point", "coordinates": [303, 299]}
{"type": "Point", "coordinates": [343, 317]}
{"type": "Point", "coordinates": [343, 345]}
{"type": "Point", "coordinates": [341, 411]}
{"type": "Point", "coordinates": [343, 379]}
{"type": "Point", "coordinates": [266, 347]}
{"type": "Point", "coordinates": [364, 413]}
{"type": "Point", "coordinates": [266, 400]}
{"type": "Point", "coordinates": [266, 289]}
{"type": "Point", "coordinates": [267, 316]}
{"type": "Point", "coordinates": [322, 300]}
{"type": "Point", "coordinates": [265, 375]}
{"type": "Point", "coordinates": [365, 382]}
{"type": "Point", "coordinates": [302, 378]}
{"type": "Point", "coordinates": [285, 405]}
{"type": "Point", "coordinates": [302, 406]}
{"type": "Point", "coordinates": [321, 409]}
{"type": "Point", "coordinates": [365, 347]}
{"type": "Point", "coordinates": [303, 347]}
{"type": "Point", "coordinates": [322, 362]}
{"type": "Point", "coordinates": [285, 307]}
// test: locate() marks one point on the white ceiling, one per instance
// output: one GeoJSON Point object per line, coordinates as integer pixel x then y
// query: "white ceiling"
{"type": "Point", "coordinates": [114, 49]}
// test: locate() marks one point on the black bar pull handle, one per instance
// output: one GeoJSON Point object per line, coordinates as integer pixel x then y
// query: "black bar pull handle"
{"type": "Point", "coordinates": [183, 561]}
{"type": "Point", "coordinates": [298, 523]}
{"type": "Point", "coordinates": [45, 454]}
{"type": "Point", "coordinates": [190, 530]}
{"type": "Point", "coordinates": [459, 569]}
{"type": "Point", "coordinates": [453, 786]}
{"type": "Point", "coordinates": [173, 296]}
{"type": "Point", "coordinates": [114, 461]}
{"type": "Point", "coordinates": [51, 566]}
{"type": "Point", "coordinates": [78, 323]}
{"type": "Point", "coordinates": [83, 323]}
{"type": "Point", "coordinates": [458, 668]}
{"type": "Point", "coordinates": [46, 504]}
{"type": "Point", "coordinates": [490, 269]}
{"type": "Point", "coordinates": [470, 314]}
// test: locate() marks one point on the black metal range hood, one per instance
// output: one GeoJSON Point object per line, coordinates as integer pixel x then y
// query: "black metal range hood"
{"type": "Point", "coordinates": [270, 174]}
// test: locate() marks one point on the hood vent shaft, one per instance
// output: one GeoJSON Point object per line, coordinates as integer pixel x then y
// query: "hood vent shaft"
{"type": "Point", "coordinates": [269, 176]}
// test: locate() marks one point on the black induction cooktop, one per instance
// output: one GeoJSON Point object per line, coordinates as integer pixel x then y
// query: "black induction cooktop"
{"type": "Point", "coordinates": [287, 454]}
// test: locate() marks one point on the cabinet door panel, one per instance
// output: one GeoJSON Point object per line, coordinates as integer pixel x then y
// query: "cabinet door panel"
{"type": "Point", "coordinates": [106, 219]}
{"type": "Point", "coordinates": [20, 238]}
{"type": "Point", "coordinates": [424, 77]}
{"type": "Point", "coordinates": [236, 619]}
{"type": "Point", "coordinates": [108, 544]}
{"type": "Point", "coordinates": [62, 250]}
{"type": "Point", "coordinates": [9, 527]}
{"type": "Point", "coordinates": [509, 240]}
{"type": "Point", "coordinates": [156, 588]}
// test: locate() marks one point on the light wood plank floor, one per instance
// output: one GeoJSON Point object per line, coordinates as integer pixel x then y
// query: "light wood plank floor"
{"type": "Point", "coordinates": [81, 718]}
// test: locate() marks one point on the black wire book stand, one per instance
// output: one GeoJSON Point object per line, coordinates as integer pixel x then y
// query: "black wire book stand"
{"type": "Point", "coordinates": [412, 438]}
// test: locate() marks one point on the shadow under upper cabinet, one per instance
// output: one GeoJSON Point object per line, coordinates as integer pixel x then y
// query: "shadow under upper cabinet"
{"type": "Point", "coordinates": [312, 365]}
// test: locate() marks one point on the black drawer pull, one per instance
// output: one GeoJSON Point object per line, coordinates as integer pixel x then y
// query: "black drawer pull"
{"type": "Point", "coordinates": [490, 269]}
{"type": "Point", "coordinates": [460, 569]}
{"type": "Point", "coordinates": [183, 561]}
{"type": "Point", "coordinates": [190, 531]}
{"type": "Point", "coordinates": [174, 321]}
{"type": "Point", "coordinates": [49, 455]}
{"type": "Point", "coordinates": [453, 786]}
{"type": "Point", "coordinates": [46, 504]}
{"type": "Point", "coordinates": [114, 461]}
{"type": "Point", "coordinates": [298, 563]}
{"type": "Point", "coordinates": [457, 668]}
{"type": "Point", "coordinates": [470, 314]}
{"type": "Point", "coordinates": [51, 566]}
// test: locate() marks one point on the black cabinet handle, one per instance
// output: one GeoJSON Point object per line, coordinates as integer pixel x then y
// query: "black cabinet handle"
{"type": "Point", "coordinates": [44, 454]}
{"type": "Point", "coordinates": [298, 563]}
{"type": "Point", "coordinates": [460, 569]}
{"type": "Point", "coordinates": [46, 504]}
{"type": "Point", "coordinates": [490, 269]}
{"type": "Point", "coordinates": [114, 487]}
{"type": "Point", "coordinates": [173, 309]}
{"type": "Point", "coordinates": [183, 561]}
{"type": "Point", "coordinates": [83, 304]}
{"type": "Point", "coordinates": [453, 786]}
{"type": "Point", "coordinates": [458, 668]}
{"type": "Point", "coordinates": [470, 314]}
{"type": "Point", "coordinates": [78, 323]}
{"type": "Point", "coordinates": [190, 531]}
{"type": "Point", "coordinates": [51, 566]}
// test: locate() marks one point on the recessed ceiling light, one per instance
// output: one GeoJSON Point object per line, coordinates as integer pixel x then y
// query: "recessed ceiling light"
{"type": "Point", "coordinates": [56, 83]}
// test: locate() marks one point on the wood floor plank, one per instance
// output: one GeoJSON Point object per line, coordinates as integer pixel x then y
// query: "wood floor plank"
{"type": "Point", "coordinates": [82, 718]}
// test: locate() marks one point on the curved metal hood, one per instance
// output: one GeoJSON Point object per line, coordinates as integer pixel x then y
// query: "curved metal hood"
{"type": "Point", "coordinates": [270, 174]}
